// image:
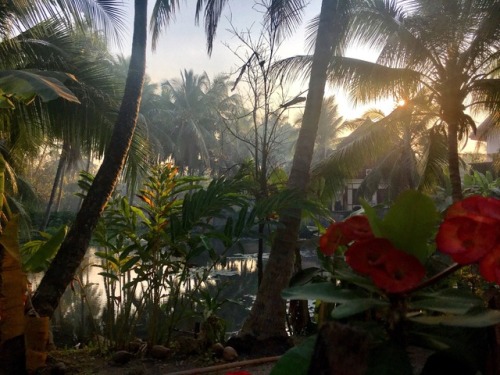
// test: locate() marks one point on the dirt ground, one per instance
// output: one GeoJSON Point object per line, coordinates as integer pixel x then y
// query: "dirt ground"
{"type": "Point", "coordinates": [86, 362]}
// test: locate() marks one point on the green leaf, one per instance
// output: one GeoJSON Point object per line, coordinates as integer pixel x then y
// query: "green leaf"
{"type": "Point", "coordinates": [25, 84]}
{"type": "Point", "coordinates": [109, 275]}
{"type": "Point", "coordinates": [450, 301]}
{"type": "Point", "coordinates": [410, 223]}
{"type": "Point", "coordinates": [371, 214]}
{"type": "Point", "coordinates": [9, 238]}
{"type": "Point", "coordinates": [326, 292]}
{"type": "Point", "coordinates": [354, 307]}
{"type": "Point", "coordinates": [296, 360]}
{"type": "Point", "coordinates": [130, 263]}
{"type": "Point", "coordinates": [389, 359]}
{"type": "Point", "coordinates": [350, 276]}
{"type": "Point", "coordinates": [106, 256]}
{"type": "Point", "coordinates": [304, 276]}
{"type": "Point", "coordinates": [38, 261]}
{"type": "Point", "coordinates": [484, 318]}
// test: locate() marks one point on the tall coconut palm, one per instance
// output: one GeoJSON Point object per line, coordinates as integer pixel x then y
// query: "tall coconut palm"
{"type": "Point", "coordinates": [267, 317]}
{"type": "Point", "coordinates": [74, 247]}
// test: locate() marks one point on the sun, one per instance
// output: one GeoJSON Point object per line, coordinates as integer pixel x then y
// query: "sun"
{"type": "Point", "coordinates": [401, 103]}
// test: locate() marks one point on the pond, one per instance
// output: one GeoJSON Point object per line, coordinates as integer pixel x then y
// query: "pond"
{"type": "Point", "coordinates": [82, 310]}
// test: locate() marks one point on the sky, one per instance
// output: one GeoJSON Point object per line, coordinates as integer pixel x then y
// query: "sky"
{"type": "Point", "coordinates": [183, 44]}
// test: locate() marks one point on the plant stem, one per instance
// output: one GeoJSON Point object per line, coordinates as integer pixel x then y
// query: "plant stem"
{"type": "Point", "coordinates": [441, 275]}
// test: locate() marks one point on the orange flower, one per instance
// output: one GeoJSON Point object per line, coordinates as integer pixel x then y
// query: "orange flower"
{"type": "Point", "coordinates": [490, 265]}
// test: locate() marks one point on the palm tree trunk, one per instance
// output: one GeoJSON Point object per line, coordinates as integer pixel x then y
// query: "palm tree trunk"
{"type": "Point", "coordinates": [453, 162]}
{"type": "Point", "coordinates": [63, 268]}
{"type": "Point", "coordinates": [267, 317]}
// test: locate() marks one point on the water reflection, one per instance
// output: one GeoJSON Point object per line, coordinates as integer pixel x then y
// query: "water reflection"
{"type": "Point", "coordinates": [234, 282]}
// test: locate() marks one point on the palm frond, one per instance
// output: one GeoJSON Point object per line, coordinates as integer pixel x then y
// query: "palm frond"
{"type": "Point", "coordinates": [163, 14]}
{"type": "Point", "coordinates": [285, 16]}
{"type": "Point", "coordinates": [367, 81]}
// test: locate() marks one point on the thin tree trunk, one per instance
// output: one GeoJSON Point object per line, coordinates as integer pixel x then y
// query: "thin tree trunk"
{"type": "Point", "coordinates": [267, 317]}
{"type": "Point", "coordinates": [63, 268]}
{"type": "Point", "coordinates": [60, 191]}
{"type": "Point", "coordinates": [453, 162]}
{"type": "Point", "coordinates": [55, 185]}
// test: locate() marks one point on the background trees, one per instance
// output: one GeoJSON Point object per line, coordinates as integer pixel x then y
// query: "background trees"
{"type": "Point", "coordinates": [450, 48]}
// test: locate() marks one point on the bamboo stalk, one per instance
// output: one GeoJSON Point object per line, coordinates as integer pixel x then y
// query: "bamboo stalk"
{"type": "Point", "coordinates": [225, 366]}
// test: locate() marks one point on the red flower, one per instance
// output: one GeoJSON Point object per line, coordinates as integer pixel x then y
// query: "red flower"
{"type": "Point", "coordinates": [364, 256]}
{"type": "Point", "coordinates": [242, 372]}
{"type": "Point", "coordinates": [389, 268]}
{"type": "Point", "coordinates": [490, 265]}
{"type": "Point", "coordinates": [467, 239]}
{"type": "Point", "coordinates": [338, 234]}
{"type": "Point", "coordinates": [357, 228]}
{"type": "Point", "coordinates": [401, 271]}
{"type": "Point", "coordinates": [332, 239]}
{"type": "Point", "coordinates": [475, 205]}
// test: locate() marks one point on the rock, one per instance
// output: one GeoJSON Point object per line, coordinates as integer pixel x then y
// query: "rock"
{"type": "Point", "coordinates": [121, 357]}
{"type": "Point", "coordinates": [217, 349]}
{"type": "Point", "coordinates": [159, 352]}
{"type": "Point", "coordinates": [229, 354]}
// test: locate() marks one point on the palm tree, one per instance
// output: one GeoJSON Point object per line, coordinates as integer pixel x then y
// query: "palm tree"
{"type": "Point", "coordinates": [74, 246]}
{"type": "Point", "coordinates": [404, 150]}
{"type": "Point", "coordinates": [194, 106]}
{"type": "Point", "coordinates": [449, 47]}
{"type": "Point", "coordinates": [267, 317]}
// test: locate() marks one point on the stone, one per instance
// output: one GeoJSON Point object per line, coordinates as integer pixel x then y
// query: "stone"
{"type": "Point", "coordinates": [229, 354]}
{"type": "Point", "coordinates": [159, 352]}
{"type": "Point", "coordinates": [217, 349]}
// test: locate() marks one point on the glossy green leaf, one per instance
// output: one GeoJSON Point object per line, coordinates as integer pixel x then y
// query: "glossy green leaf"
{"type": "Point", "coordinates": [304, 276]}
{"type": "Point", "coordinates": [354, 307]}
{"type": "Point", "coordinates": [450, 301]}
{"type": "Point", "coordinates": [326, 292]}
{"type": "Point", "coordinates": [296, 361]}
{"type": "Point", "coordinates": [410, 223]}
{"type": "Point", "coordinates": [350, 276]}
{"type": "Point", "coordinates": [484, 318]}
{"type": "Point", "coordinates": [38, 261]}
{"type": "Point", "coordinates": [374, 220]}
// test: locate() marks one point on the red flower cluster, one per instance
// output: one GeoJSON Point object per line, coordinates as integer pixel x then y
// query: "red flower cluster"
{"type": "Point", "coordinates": [471, 233]}
{"type": "Point", "coordinates": [389, 268]}
{"type": "Point", "coordinates": [344, 232]}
